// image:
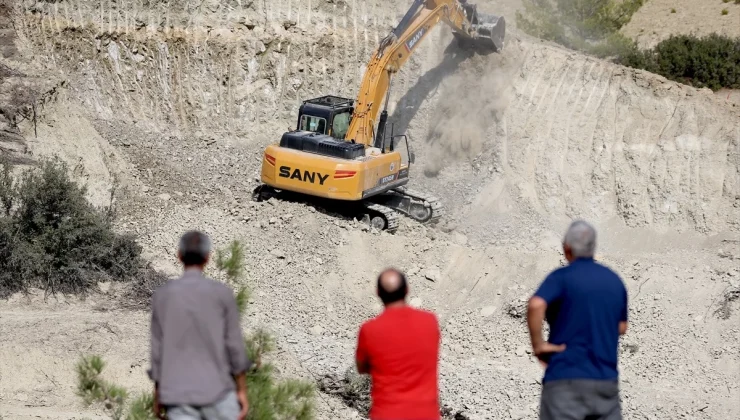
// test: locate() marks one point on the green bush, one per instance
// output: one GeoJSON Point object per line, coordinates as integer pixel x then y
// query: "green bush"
{"type": "Point", "coordinates": [712, 61]}
{"type": "Point", "coordinates": [269, 398]}
{"type": "Point", "coordinates": [615, 45]}
{"type": "Point", "coordinates": [586, 25]}
{"type": "Point", "coordinates": [725, 11]}
{"type": "Point", "coordinates": [52, 238]}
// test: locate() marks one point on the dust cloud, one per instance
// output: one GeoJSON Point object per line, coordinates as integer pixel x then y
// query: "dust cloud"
{"type": "Point", "coordinates": [472, 102]}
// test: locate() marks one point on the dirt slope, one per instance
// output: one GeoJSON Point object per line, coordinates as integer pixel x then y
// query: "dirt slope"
{"type": "Point", "coordinates": [659, 19]}
{"type": "Point", "coordinates": [580, 137]}
{"type": "Point", "coordinates": [177, 102]}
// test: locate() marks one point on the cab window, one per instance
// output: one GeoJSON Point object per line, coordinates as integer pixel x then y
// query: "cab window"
{"type": "Point", "coordinates": [340, 125]}
{"type": "Point", "coordinates": [315, 124]}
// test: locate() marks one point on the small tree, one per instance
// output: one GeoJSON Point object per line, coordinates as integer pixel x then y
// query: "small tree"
{"type": "Point", "coordinates": [7, 187]}
{"type": "Point", "coordinates": [52, 238]}
{"type": "Point", "coordinates": [91, 387]}
{"type": "Point", "coordinates": [269, 398]}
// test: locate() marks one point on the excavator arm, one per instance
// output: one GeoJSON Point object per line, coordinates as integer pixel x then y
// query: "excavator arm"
{"type": "Point", "coordinates": [483, 31]}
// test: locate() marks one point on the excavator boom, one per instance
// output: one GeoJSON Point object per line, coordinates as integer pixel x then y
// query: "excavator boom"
{"type": "Point", "coordinates": [483, 31]}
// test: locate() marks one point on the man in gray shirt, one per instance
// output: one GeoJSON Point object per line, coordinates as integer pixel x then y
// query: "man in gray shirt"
{"type": "Point", "coordinates": [198, 358]}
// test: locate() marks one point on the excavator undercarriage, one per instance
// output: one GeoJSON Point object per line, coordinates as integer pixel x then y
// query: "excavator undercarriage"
{"type": "Point", "coordinates": [381, 212]}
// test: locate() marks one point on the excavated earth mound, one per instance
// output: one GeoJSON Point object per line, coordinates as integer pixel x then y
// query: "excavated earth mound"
{"type": "Point", "coordinates": [173, 102]}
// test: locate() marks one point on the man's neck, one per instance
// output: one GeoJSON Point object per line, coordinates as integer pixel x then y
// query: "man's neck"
{"type": "Point", "coordinates": [193, 269]}
{"type": "Point", "coordinates": [394, 305]}
{"type": "Point", "coordinates": [583, 259]}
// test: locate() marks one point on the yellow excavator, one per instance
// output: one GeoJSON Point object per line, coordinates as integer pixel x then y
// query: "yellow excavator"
{"type": "Point", "coordinates": [340, 153]}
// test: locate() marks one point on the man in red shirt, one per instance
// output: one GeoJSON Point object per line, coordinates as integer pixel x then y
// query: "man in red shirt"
{"type": "Point", "coordinates": [400, 350]}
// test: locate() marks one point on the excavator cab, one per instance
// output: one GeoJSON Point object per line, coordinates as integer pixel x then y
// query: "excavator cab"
{"type": "Point", "coordinates": [328, 115]}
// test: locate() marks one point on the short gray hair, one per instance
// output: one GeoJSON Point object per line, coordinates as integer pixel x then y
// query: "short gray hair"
{"type": "Point", "coordinates": [194, 248]}
{"type": "Point", "coordinates": [581, 238]}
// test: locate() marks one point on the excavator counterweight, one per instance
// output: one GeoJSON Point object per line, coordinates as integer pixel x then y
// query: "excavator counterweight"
{"type": "Point", "coordinates": [341, 153]}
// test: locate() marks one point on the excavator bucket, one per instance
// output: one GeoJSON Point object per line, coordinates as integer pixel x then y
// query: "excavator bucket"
{"type": "Point", "coordinates": [490, 31]}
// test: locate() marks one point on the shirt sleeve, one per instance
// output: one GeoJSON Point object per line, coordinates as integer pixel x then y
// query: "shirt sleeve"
{"type": "Point", "coordinates": [439, 329]}
{"type": "Point", "coordinates": [551, 288]}
{"type": "Point", "coordinates": [625, 306]}
{"type": "Point", "coordinates": [361, 354]}
{"type": "Point", "coordinates": [155, 343]}
{"type": "Point", "coordinates": [239, 363]}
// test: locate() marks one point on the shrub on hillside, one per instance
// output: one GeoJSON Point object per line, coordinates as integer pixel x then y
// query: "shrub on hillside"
{"type": "Point", "coordinates": [592, 26]}
{"type": "Point", "coordinates": [269, 398]}
{"type": "Point", "coordinates": [586, 25]}
{"type": "Point", "coordinates": [52, 238]}
{"type": "Point", "coordinates": [139, 294]}
{"type": "Point", "coordinates": [712, 61]}
{"type": "Point", "coordinates": [353, 390]}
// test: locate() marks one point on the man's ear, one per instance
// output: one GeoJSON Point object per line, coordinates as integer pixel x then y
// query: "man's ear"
{"type": "Point", "coordinates": [568, 252]}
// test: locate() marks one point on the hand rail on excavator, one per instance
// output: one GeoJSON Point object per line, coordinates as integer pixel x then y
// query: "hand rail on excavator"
{"type": "Point", "coordinates": [483, 32]}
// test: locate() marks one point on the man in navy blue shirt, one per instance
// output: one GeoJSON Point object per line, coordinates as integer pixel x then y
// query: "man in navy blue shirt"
{"type": "Point", "coordinates": [585, 305]}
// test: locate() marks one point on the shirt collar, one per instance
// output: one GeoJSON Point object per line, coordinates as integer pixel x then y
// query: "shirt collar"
{"type": "Point", "coordinates": [192, 272]}
{"type": "Point", "coordinates": [394, 308]}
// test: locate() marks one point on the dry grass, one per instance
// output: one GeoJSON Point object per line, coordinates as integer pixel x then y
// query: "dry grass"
{"type": "Point", "coordinates": [726, 306]}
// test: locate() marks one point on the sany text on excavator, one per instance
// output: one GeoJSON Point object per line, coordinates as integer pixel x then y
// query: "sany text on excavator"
{"type": "Point", "coordinates": [340, 152]}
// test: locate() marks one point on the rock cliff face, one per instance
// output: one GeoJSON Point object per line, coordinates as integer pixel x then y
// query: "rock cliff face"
{"type": "Point", "coordinates": [577, 135]}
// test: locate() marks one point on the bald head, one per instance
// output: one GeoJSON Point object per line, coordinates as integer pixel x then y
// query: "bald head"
{"type": "Point", "coordinates": [392, 286]}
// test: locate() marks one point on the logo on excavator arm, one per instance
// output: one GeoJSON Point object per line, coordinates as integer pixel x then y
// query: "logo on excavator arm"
{"type": "Point", "coordinates": [416, 38]}
{"type": "Point", "coordinates": [303, 176]}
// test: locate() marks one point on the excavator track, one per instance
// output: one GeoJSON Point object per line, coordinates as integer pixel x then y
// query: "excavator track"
{"type": "Point", "coordinates": [416, 205]}
{"type": "Point", "coordinates": [436, 206]}
{"type": "Point", "coordinates": [388, 216]}
{"type": "Point", "coordinates": [380, 212]}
